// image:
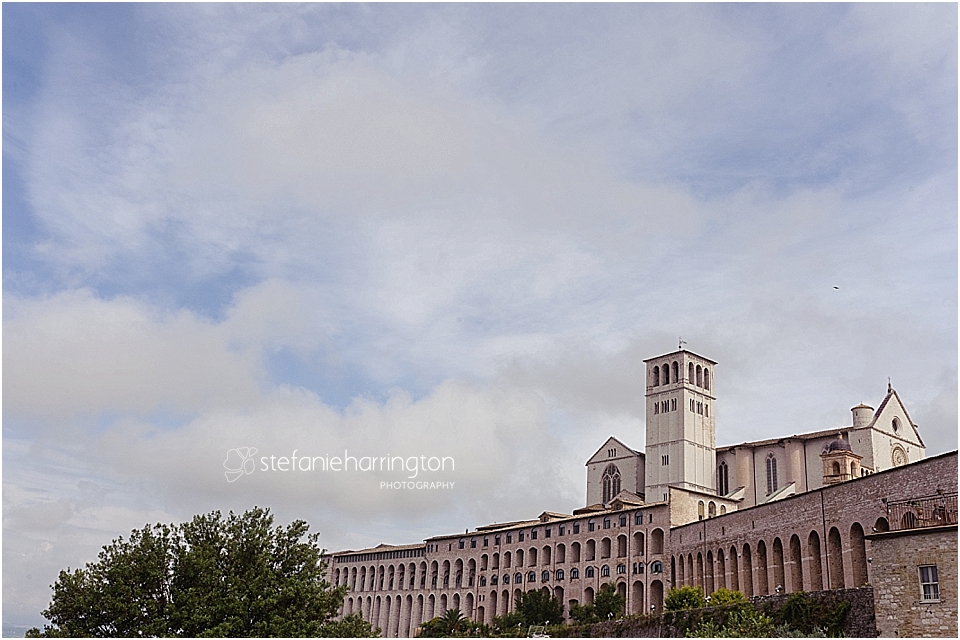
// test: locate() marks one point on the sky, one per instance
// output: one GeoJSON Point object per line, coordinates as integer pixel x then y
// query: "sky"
{"type": "Point", "coordinates": [449, 231]}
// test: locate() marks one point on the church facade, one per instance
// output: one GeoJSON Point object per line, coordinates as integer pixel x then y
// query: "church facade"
{"type": "Point", "coordinates": [780, 515]}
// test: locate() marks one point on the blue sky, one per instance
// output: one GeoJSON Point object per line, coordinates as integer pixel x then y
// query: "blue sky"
{"type": "Point", "coordinates": [453, 229]}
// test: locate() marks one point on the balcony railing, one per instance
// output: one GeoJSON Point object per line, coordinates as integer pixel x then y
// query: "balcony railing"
{"type": "Point", "coordinates": [928, 511]}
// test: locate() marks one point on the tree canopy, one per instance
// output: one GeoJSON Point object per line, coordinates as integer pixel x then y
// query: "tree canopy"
{"type": "Point", "coordinates": [239, 576]}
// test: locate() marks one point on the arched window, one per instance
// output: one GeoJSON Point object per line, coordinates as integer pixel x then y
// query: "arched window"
{"type": "Point", "coordinates": [559, 574]}
{"type": "Point", "coordinates": [711, 509]}
{"type": "Point", "coordinates": [896, 425]}
{"type": "Point", "coordinates": [532, 576]}
{"type": "Point", "coordinates": [699, 376]}
{"type": "Point", "coordinates": [700, 510]}
{"type": "Point", "coordinates": [621, 568]}
{"type": "Point", "coordinates": [723, 479]}
{"type": "Point", "coordinates": [666, 374]}
{"type": "Point", "coordinates": [656, 376]}
{"type": "Point", "coordinates": [574, 574]}
{"type": "Point", "coordinates": [545, 576]}
{"type": "Point", "coordinates": [604, 571]}
{"type": "Point", "coordinates": [723, 509]}
{"type": "Point", "coordinates": [706, 379]}
{"type": "Point", "coordinates": [676, 371]}
{"type": "Point", "coordinates": [483, 581]}
{"type": "Point", "coordinates": [836, 468]}
{"type": "Point", "coordinates": [690, 376]}
{"type": "Point", "coordinates": [506, 578]}
{"type": "Point", "coordinates": [611, 482]}
{"type": "Point", "coordinates": [772, 483]}
{"type": "Point", "coordinates": [518, 578]}
{"type": "Point", "coordinates": [590, 572]}
{"type": "Point", "coordinates": [493, 579]}
{"type": "Point", "coordinates": [656, 567]}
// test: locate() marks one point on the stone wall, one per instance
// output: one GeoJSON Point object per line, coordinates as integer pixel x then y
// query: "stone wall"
{"type": "Point", "coordinates": [860, 621]}
{"type": "Point", "coordinates": [901, 611]}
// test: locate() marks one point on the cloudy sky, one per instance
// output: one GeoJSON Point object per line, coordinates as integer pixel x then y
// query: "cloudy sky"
{"type": "Point", "coordinates": [449, 230]}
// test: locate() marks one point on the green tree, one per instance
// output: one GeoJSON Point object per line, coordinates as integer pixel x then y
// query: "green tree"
{"type": "Point", "coordinates": [213, 577]}
{"type": "Point", "coordinates": [743, 621]}
{"type": "Point", "coordinates": [539, 607]}
{"type": "Point", "coordinates": [723, 596]}
{"type": "Point", "coordinates": [685, 597]}
{"type": "Point", "coordinates": [454, 621]}
{"type": "Point", "coordinates": [609, 603]}
{"type": "Point", "coordinates": [584, 614]}
{"type": "Point", "coordinates": [509, 621]}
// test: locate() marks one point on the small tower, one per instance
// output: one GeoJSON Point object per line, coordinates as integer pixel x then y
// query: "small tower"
{"type": "Point", "coordinates": [681, 433]}
{"type": "Point", "coordinates": [840, 463]}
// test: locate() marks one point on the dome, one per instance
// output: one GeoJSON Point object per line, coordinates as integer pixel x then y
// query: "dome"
{"type": "Point", "coordinates": [839, 445]}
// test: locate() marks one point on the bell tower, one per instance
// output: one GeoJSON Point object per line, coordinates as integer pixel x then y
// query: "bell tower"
{"type": "Point", "coordinates": [681, 432]}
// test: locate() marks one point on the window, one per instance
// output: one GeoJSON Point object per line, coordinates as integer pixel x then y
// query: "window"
{"type": "Point", "coordinates": [673, 404]}
{"type": "Point", "coordinates": [483, 581]}
{"type": "Point", "coordinates": [533, 534]}
{"type": "Point", "coordinates": [706, 410]}
{"type": "Point", "coordinates": [576, 527]}
{"type": "Point", "coordinates": [591, 526]}
{"type": "Point", "coordinates": [711, 509]}
{"type": "Point", "coordinates": [506, 578]}
{"type": "Point", "coordinates": [518, 578]}
{"type": "Point", "coordinates": [691, 404]}
{"type": "Point", "coordinates": [699, 376]}
{"type": "Point", "coordinates": [656, 408]}
{"type": "Point", "coordinates": [606, 523]}
{"type": "Point", "coordinates": [546, 532]}
{"type": "Point", "coordinates": [896, 425]}
{"type": "Point", "coordinates": [700, 408]}
{"type": "Point", "coordinates": [604, 571]}
{"type": "Point", "coordinates": [462, 543]}
{"type": "Point", "coordinates": [638, 518]}
{"type": "Point", "coordinates": [473, 543]}
{"type": "Point", "coordinates": [723, 509]}
{"type": "Point", "coordinates": [545, 576]}
{"type": "Point", "coordinates": [723, 479]}
{"type": "Point", "coordinates": [574, 574]}
{"type": "Point", "coordinates": [610, 482]}
{"type": "Point", "coordinates": [623, 520]}
{"type": "Point", "coordinates": [700, 510]}
{"type": "Point", "coordinates": [532, 576]}
{"type": "Point", "coordinates": [690, 373]}
{"type": "Point", "coordinates": [486, 541]}
{"type": "Point", "coordinates": [509, 538]}
{"type": "Point", "coordinates": [666, 374]}
{"type": "Point", "coordinates": [493, 579]}
{"type": "Point", "coordinates": [929, 583]}
{"type": "Point", "coordinates": [590, 572]}
{"type": "Point", "coordinates": [559, 574]}
{"type": "Point", "coordinates": [621, 568]}
{"type": "Point", "coordinates": [663, 406]}
{"type": "Point", "coordinates": [562, 530]}
{"type": "Point", "coordinates": [656, 376]}
{"type": "Point", "coordinates": [664, 461]}
{"type": "Point", "coordinates": [772, 483]}
{"type": "Point", "coordinates": [706, 379]}
{"type": "Point", "coordinates": [496, 540]}
{"type": "Point", "coordinates": [520, 537]}
{"type": "Point", "coordinates": [656, 567]}
{"type": "Point", "coordinates": [676, 371]}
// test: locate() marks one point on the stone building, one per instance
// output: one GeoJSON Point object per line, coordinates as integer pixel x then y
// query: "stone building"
{"type": "Point", "coordinates": [804, 518]}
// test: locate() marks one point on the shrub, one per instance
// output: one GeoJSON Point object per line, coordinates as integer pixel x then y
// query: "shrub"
{"type": "Point", "coordinates": [685, 597]}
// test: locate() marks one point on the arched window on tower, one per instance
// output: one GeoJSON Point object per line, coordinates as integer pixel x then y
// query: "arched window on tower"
{"type": "Point", "coordinates": [772, 483]}
{"type": "Point", "coordinates": [690, 376]}
{"type": "Point", "coordinates": [611, 482]}
{"type": "Point", "coordinates": [676, 371]}
{"type": "Point", "coordinates": [656, 376]}
{"type": "Point", "coordinates": [699, 376]}
{"type": "Point", "coordinates": [666, 374]}
{"type": "Point", "coordinates": [706, 379]}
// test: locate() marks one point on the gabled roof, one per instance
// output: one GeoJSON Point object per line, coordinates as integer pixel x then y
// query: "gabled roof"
{"type": "Point", "coordinates": [892, 393]}
{"type": "Point", "coordinates": [628, 452]}
{"type": "Point", "coordinates": [674, 353]}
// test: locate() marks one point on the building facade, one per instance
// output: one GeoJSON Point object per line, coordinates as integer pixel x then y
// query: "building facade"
{"type": "Point", "coordinates": [670, 517]}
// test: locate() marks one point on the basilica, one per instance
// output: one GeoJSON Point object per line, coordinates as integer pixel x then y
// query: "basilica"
{"type": "Point", "coordinates": [801, 512]}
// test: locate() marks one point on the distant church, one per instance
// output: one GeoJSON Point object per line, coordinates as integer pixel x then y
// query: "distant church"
{"type": "Point", "coordinates": [797, 513]}
{"type": "Point", "coordinates": [681, 449]}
